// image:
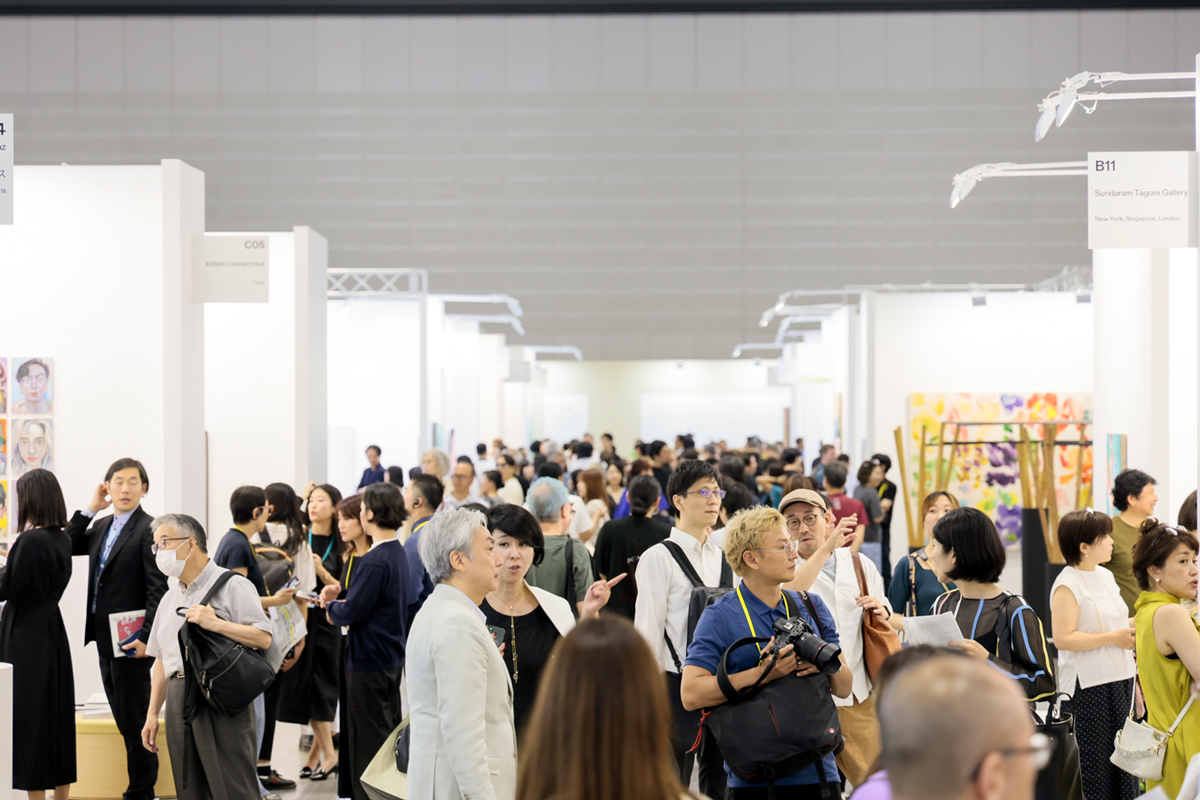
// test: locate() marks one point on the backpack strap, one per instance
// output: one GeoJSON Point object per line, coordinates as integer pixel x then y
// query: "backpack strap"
{"type": "Point", "coordinates": [569, 590]}
{"type": "Point", "coordinates": [726, 685]}
{"type": "Point", "coordinates": [689, 571]}
{"type": "Point", "coordinates": [912, 584]}
{"type": "Point", "coordinates": [812, 610]}
{"type": "Point", "coordinates": [726, 581]}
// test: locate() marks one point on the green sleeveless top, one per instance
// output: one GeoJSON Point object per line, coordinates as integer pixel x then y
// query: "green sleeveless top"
{"type": "Point", "coordinates": [1166, 684]}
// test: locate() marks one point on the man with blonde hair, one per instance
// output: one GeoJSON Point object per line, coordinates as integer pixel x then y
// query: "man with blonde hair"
{"type": "Point", "coordinates": [759, 549]}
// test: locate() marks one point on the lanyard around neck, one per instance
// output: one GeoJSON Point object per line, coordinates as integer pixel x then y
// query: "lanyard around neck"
{"type": "Point", "coordinates": [328, 549]}
{"type": "Point", "coordinates": [750, 621]}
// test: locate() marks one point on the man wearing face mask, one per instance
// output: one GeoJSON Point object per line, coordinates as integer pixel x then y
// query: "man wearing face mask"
{"type": "Point", "coordinates": [220, 753]}
{"type": "Point", "coordinates": [122, 578]}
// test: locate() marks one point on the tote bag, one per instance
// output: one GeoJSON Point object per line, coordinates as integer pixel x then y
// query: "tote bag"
{"type": "Point", "coordinates": [382, 779]}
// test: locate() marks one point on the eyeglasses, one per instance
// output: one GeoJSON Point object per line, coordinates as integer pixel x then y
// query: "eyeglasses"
{"type": "Point", "coordinates": [1040, 748]}
{"type": "Point", "coordinates": [708, 494]}
{"type": "Point", "coordinates": [154, 548]}
{"type": "Point", "coordinates": [790, 547]}
{"type": "Point", "coordinates": [793, 523]}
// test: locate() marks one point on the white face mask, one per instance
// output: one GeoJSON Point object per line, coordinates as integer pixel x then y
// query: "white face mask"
{"type": "Point", "coordinates": [169, 564]}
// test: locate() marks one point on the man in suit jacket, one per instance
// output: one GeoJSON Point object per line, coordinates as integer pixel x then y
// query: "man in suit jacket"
{"type": "Point", "coordinates": [462, 739]}
{"type": "Point", "coordinates": [122, 576]}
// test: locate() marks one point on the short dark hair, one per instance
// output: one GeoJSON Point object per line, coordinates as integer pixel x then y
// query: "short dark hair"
{"type": "Point", "coordinates": [865, 470]}
{"type": "Point", "coordinates": [244, 502]}
{"type": "Point", "coordinates": [643, 494]}
{"type": "Point", "coordinates": [40, 501]}
{"type": "Point", "coordinates": [884, 459]}
{"type": "Point", "coordinates": [1187, 513]}
{"type": "Point", "coordinates": [495, 477]}
{"type": "Point", "coordinates": [515, 521]}
{"type": "Point", "coordinates": [978, 552]}
{"type": "Point", "coordinates": [430, 488]}
{"type": "Point", "coordinates": [684, 478]}
{"type": "Point", "coordinates": [468, 462]}
{"type": "Point", "coordinates": [835, 475]}
{"type": "Point", "coordinates": [825, 448]}
{"type": "Point", "coordinates": [737, 498]}
{"type": "Point", "coordinates": [844, 458]}
{"type": "Point", "coordinates": [481, 449]}
{"type": "Point", "coordinates": [1154, 546]}
{"type": "Point", "coordinates": [655, 447]}
{"type": "Point", "coordinates": [1079, 528]}
{"type": "Point", "coordinates": [374, 447]}
{"type": "Point", "coordinates": [733, 466]}
{"type": "Point", "coordinates": [505, 458]}
{"type": "Point", "coordinates": [550, 469]}
{"type": "Point", "coordinates": [1129, 483]}
{"type": "Point", "coordinates": [535, 446]}
{"type": "Point", "coordinates": [23, 370]}
{"type": "Point", "coordinates": [386, 505]}
{"type": "Point", "coordinates": [396, 475]}
{"type": "Point", "coordinates": [606, 436]}
{"type": "Point", "coordinates": [790, 456]}
{"type": "Point", "coordinates": [127, 463]}
{"type": "Point", "coordinates": [584, 449]}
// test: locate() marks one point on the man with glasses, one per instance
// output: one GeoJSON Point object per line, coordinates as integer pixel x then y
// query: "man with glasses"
{"type": "Point", "coordinates": [954, 728]}
{"type": "Point", "coordinates": [664, 600]}
{"type": "Point", "coordinates": [218, 757]}
{"type": "Point", "coordinates": [830, 571]}
{"type": "Point", "coordinates": [122, 579]}
{"type": "Point", "coordinates": [762, 553]}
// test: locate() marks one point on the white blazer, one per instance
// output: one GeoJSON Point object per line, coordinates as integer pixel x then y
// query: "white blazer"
{"type": "Point", "coordinates": [557, 609]}
{"type": "Point", "coordinates": [463, 742]}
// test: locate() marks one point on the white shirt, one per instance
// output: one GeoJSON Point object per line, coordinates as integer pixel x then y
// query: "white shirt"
{"type": "Point", "coordinates": [1101, 610]}
{"type": "Point", "coordinates": [839, 594]}
{"type": "Point", "coordinates": [511, 492]}
{"type": "Point", "coordinates": [450, 502]}
{"type": "Point", "coordinates": [665, 593]}
{"type": "Point", "coordinates": [582, 519]}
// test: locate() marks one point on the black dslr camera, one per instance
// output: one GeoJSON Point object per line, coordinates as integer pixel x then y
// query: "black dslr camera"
{"type": "Point", "coordinates": [807, 645]}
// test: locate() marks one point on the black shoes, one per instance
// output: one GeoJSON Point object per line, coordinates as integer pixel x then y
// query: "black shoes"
{"type": "Point", "coordinates": [321, 773]}
{"type": "Point", "coordinates": [274, 781]}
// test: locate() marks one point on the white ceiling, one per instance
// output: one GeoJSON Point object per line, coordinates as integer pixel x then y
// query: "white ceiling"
{"type": "Point", "coordinates": [645, 185]}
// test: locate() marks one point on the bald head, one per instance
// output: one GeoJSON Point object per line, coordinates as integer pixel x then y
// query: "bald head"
{"type": "Point", "coordinates": [941, 719]}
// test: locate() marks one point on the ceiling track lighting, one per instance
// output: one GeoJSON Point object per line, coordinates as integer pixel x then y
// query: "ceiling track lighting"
{"type": "Point", "coordinates": [967, 180]}
{"type": "Point", "coordinates": [534, 350]}
{"type": "Point", "coordinates": [499, 319]}
{"type": "Point", "coordinates": [1058, 105]}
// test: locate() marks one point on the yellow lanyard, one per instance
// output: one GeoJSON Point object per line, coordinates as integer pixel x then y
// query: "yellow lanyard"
{"type": "Point", "coordinates": [750, 622]}
{"type": "Point", "coordinates": [349, 568]}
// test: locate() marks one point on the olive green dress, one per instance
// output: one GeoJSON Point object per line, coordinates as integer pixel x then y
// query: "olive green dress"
{"type": "Point", "coordinates": [1166, 685]}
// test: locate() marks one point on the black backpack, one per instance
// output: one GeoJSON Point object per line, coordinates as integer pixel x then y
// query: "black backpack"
{"type": "Point", "coordinates": [702, 597]}
{"type": "Point", "coordinates": [769, 732]}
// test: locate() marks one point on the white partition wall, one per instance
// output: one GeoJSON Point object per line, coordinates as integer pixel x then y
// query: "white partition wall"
{"type": "Point", "coordinates": [265, 379]}
{"type": "Point", "coordinates": [99, 260]}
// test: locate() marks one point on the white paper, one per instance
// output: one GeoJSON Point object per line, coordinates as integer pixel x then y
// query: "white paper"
{"type": "Point", "coordinates": [938, 630]}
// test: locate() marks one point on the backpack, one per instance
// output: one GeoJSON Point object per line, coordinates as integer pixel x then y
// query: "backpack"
{"type": "Point", "coordinates": [702, 597]}
{"type": "Point", "coordinates": [276, 566]}
{"type": "Point", "coordinates": [747, 731]}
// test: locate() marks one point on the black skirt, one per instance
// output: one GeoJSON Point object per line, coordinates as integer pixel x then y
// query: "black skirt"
{"type": "Point", "coordinates": [1099, 713]}
{"type": "Point", "coordinates": [310, 688]}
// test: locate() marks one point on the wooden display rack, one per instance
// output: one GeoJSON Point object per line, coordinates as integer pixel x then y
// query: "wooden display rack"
{"type": "Point", "coordinates": [1037, 469]}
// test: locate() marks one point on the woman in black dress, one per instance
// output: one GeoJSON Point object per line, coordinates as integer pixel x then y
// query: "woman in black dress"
{"type": "Point", "coordinates": [34, 640]}
{"type": "Point", "coordinates": [310, 693]}
{"type": "Point", "coordinates": [355, 544]}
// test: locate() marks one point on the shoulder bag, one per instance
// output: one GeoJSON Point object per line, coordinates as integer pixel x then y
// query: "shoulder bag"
{"type": "Point", "coordinates": [1062, 778]}
{"type": "Point", "coordinates": [1140, 749]}
{"type": "Point", "coordinates": [879, 638]}
{"type": "Point", "coordinates": [702, 597]}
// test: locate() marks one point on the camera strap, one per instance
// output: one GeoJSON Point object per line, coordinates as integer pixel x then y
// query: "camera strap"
{"type": "Point", "coordinates": [787, 610]}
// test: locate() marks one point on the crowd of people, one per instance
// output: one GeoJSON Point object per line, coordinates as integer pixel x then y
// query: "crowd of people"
{"type": "Point", "coordinates": [567, 622]}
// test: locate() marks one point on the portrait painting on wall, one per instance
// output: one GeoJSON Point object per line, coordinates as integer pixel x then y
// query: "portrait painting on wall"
{"type": "Point", "coordinates": [3, 447]}
{"type": "Point", "coordinates": [32, 445]}
{"type": "Point", "coordinates": [3, 385]}
{"type": "Point", "coordinates": [3, 509]}
{"type": "Point", "coordinates": [32, 386]}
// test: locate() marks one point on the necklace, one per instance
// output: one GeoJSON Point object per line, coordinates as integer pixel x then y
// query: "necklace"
{"type": "Point", "coordinates": [1100, 617]}
{"type": "Point", "coordinates": [512, 624]}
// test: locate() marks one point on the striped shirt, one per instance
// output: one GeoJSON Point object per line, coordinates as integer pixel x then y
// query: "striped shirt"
{"type": "Point", "coordinates": [236, 601]}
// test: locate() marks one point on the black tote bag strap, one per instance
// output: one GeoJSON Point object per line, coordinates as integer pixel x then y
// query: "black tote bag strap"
{"type": "Point", "coordinates": [569, 589]}
{"type": "Point", "coordinates": [726, 581]}
{"type": "Point", "coordinates": [723, 682]}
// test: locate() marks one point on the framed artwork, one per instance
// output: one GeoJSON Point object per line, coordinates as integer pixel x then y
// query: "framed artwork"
{"type": "Point", "coordinates": [32, 387]}
{"type": "Point", "coordinates": [3, 385]}
{"type": "Point", "coordinates": [33, 445]}
{"type": "Point", "coordinates": [3, 447]}
{"type": "Point", "coordinates": [3, 509]}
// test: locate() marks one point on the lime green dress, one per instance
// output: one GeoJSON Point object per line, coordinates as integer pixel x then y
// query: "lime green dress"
{"type": "Point", "coordinates": [1166, 685]}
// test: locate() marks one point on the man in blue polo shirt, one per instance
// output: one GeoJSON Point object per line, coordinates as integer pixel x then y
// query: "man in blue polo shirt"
{"type": "Point", "coordinates": [759, 549]}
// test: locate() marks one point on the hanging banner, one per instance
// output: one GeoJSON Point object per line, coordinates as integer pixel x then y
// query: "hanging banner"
{"type": "Point", "coordinates": [230, 268]}
{"type": "Point", "coordinates": [1142, 200]}
{"type": "Point", "coordinates": [6, 169]}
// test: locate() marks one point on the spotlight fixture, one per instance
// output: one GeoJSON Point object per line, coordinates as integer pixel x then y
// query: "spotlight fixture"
{"type": "Point", "coordinates": [978, 299]}
{"type": "Point", "coordinates": [965, 181]}
{"type": "Point", "coordinates": [1059, 104]}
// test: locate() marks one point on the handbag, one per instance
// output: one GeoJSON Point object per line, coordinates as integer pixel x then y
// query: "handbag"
{"type": "Point", "coordinates": [1061, 779]}
{"type": "Point", "coordinates": [879, 638]}
{"type": "Point", "coordinates": [386, 777]}
{"type": "Point", "coordinates": [1140, 749]}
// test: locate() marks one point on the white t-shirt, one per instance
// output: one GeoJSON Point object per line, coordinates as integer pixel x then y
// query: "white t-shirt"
{"type": "Point", "coordinates": [1101, 610]}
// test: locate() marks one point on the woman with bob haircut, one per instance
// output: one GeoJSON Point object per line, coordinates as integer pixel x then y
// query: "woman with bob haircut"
{"type": "Point", "coordinates": [1168, 641]}
{"type": "Point", "coordinates": [1095, 643]}
{"type": "Point", "coordinates": [601, 727]}
{"type": "Point", "coordinates": [998, 626]}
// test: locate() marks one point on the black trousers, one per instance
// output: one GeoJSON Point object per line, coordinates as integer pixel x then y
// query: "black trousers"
{"type": "Point", "coordinates": [271, 711]}
{"type": "Point", "coordinates": [127, 684]}
{"type": "Point", "coordinates": [374, 712]}
{"type": "Point", "coordinates": [712, 776]}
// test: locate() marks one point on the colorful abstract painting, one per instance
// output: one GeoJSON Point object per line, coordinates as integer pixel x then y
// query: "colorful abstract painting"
{"type": "Point", "coordinates": [986, 472]}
